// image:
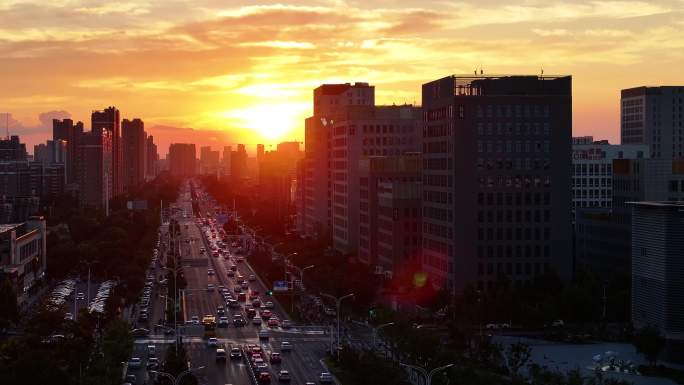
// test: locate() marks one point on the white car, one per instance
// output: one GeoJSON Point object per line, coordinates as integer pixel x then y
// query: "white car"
{"type": "Point", "coordinates": [252, 278]}
{"type": "Point", "coordinates": [325, 378]}
{"type": "Point", "coordinates": [195, 320]}
{"type": "Point", "coordinates": [213, 342]}
{"type": "Point", "coordinates": [135, 363]}
{"type": "Point", "coordinates": [285, 346]}
{"type": "Point", "coordinates": [69, 317]}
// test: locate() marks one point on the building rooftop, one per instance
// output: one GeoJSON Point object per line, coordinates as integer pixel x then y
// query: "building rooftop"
{"type": "Point", "coordinates": [503, 85]}
{"type": "Point", "coordinates": [8, 227]}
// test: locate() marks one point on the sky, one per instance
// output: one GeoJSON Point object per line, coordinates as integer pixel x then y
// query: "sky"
{"type": "Point", "coordinates": [217, 72]}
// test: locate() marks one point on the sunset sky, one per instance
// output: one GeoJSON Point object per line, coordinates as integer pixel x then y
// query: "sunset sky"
{"type": "Point", "coordinates": [223, 71]}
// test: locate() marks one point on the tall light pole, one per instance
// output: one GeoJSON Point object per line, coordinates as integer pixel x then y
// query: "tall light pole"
{"type": "Point", "coordinates": [177, 380]}
{"type": "Point", "coordinates": [375, 329]}
{"type": "Point", "coordinates": [301, 282]}
{"type": "Point", "coordinates": [175, 299]}
{"type": "Point", "coordinates": [338, 302]}
{"type": "Point", "coordinates": [427, 375]}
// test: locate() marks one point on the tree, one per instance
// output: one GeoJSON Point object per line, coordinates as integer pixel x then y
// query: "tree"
{"type": "Point", "coordinates": [9, 312]}
{"type": "Point", "coordinates": [174, 364]}
{"type": "Point", "coordinates": [649, 342]}
{"type": "Point", "coordinates": [517, 356]}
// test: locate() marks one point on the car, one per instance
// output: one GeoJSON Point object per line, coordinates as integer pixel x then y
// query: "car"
{"type": "Point", "coordinates": [68, 316]}
{"type": "Point", "coordinates": [231, 303]}
{"type": "Point", "coordinates": [263, 334]}
{"type": "Point", "coordinates": [131, 379]}
{"type": "Point", "coordinates": [212, 342]}
{"type": "Point", "coordinates": [273, 322]}
{"type": "Point", "coordinates": [275, 358]}
{"type": "Point", "coordinates": [235, 353]}
{"type": "Point", "coordinates": [238, 321]}
{"type": "Point", "coordinates": [325, 378]}
{"type": "Point", "coordinates": [261, 367]}
{"type": "Point", "coordinates": [220, 354]}
{"type": "Point", "coordinates": [244, 286]}
{"type": "Point", "coordinates": [233, 268]}
{"type": "Point", "coordinates": [220, 310]}
{"type": "Point", "coordinates": [256, 302]}
{"type": "Point", "coordinates": [558, 323]}
{"type": "Point", "coordinates": [251, 312]}
{"type": "Point", "coordinates": [151, 351]}
{"type": "Point", "coordinates": [251, 278]}
{"type": "Point", "coordinates": [264, 378]}
{"type": "Point", "coordinates": [140, 333]}
{"type": "Point", "coordinates": [266, 314]}
{"type": "Point", "coordinates": [284, 376]}
{"type": "Point", "coordinates": [80, 296]}
{"type": "Point", "coordinates": [242, 297]}
{"type": "Point", "coordinates": [329, 312]}
{"type": "Point", "coordinates": [256, 321]}
{"type": "Point", "coordinates": [195, 320]}
{"type": "Point", "coordinates": [210, 272]}
{"type": "Point", "coordinates": [237, 288]}
{"type": "Point", "coordinates": [210, 287]}
{"type": "Point", "coordinates": [152, 363]}
{"type": "Point", "coordinates": [231, 273]}
{"type": "Point", "coordinates": [135, 363]}
{"type": "Point", "coordinates": [286, 324]}
{"type": "Point", "coordinates": [223, 322]}
{"type": "Point", "coordinates": [269, 305]}
{"type": "Point", "coordinates": [285, 346]}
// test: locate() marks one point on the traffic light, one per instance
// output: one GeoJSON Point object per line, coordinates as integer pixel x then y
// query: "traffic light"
{"type": "Point", "coordinates": [269, 292]}
{"type": "Point", "coordinates": [371, 312]}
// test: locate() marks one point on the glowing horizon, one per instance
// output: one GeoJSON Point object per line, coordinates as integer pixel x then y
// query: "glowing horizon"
{"type": "Point", "coordinates": [236, 72]}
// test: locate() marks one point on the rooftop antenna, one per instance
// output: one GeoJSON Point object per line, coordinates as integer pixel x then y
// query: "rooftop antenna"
{"type": "Point", "coordinates": [7, 125]}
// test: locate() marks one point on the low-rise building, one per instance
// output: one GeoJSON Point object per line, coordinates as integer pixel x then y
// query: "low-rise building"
{"type": "Point", "coordinates": [23, 255]}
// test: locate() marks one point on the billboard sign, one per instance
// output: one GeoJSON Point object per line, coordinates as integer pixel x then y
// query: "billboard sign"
{"type": "Point", "coordinates": [281, 286]}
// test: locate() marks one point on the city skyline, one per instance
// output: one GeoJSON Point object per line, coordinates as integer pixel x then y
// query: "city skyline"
{"type": "Point", "coordinates": [244, 73]}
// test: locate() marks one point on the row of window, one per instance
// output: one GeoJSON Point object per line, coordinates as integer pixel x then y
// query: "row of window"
{"type": "Point", "coordinates": [507, 234]}
{"type": "Point", "coordinates": [517, 251]}
{"type": "Point", "coordinates": [513, 147]}
{"type": "Point", "coordinates": [592, 169]}
{"type": "Point", "coordinates": [508, 199]}
{"type": "Point", "coordinates": [507, 268]}
{"type": "Point", "coordinates": [514, 216]}
{"type": "Point", "coordinates": [513, 164]}
{"type": "Point", "coordinates": [517, 181]}
{"type": "Point", "coordinates": [518, 128]}
{"type": "Point", "coordinates": [591, 182]}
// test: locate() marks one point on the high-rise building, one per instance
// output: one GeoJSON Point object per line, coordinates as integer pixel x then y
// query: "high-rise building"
{"type": "Point", "coordinates": [496, 176]}
{"type": "Point", "coordinates": [40, 153]}
{"type": "Point", "coordinates": [592, 169]}
{"type": "Point", "coordinates": [67, 131]}
{"type": "Point", "coordinates": [658, 267]}
{"type": "Point", "coordinates": [94, 169]}
{"type": "Point", "coordinates": [329, 100]}
{"type": "Point", "coordinates": [378, 200]}
{"type": "Point", "coordinates": [133, 148]}
{"type": "Point", "coordinates": [11, 149]}
{"type": "Point", "coordinates": [151, 164]}
{"type": "Point", "coordinates": [57, 151]}
{"type": "Point", "coordinates": [109, 120]}
{"type": "Point", "coordinates": [182, 159]}
{"type": "Point", "coordinates": [238, 163]}
{"type": "Point", "coordinates": [259, 151]}
{"type": "Point", "coordinates": [654, 116]}
{"type": "Point", "coordinates": [209, 160]}
{"type": "Point", "coordinates": [225, 161]}
{"type": "Point", "coordinates": [359, 132]}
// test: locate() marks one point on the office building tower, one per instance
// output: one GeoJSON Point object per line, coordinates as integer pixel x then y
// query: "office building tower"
{"type": "Point", "coordinates": [23, 255]}
{"type": "Point", "coordinates": [329, 100]}
{"type": "Point", "coordinates": [387, 183]}
{"type": "Point", "coordinates": [359, 132]}
{"type": "Point", "coordinates": [11, 149]}
{"type": "Point", "coordinates": [133, 148]}
{"type": "Point", "coordinates": [259, 151]}
{"type": "Point", "coordinates": [592, 170]}
{"type": "Point", "coordinates": [94, 159]}
{"type": "Point", "coordinates": [209, 160]}
{"type": "Point", "coordinates": [152, 154]}
{"type": "Point", "coordinates": [69, 132]}
{"type": "Point", "coordinates": [653, 116]}
{"type": "Point", "coordinates": [182, 158]}
{"type": "Point", "coordinates": [225, 160]}
{"type": "Point", "coordinates": [496, 176]}
{"type": "Point", "coordinates": [40, 153]}
{"type": "Point", "coordinates": [658, 267]}
{"type": "Point", "coordinates": [109, 120]}
{"type": "Point", "coordinates": [57, 151]}
{"type": "Point", "coordinates": [238, 163]}
{"type": "Point", "coordinates": [15, 209]}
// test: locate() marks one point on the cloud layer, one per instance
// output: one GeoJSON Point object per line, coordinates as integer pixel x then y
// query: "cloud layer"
{"type": "Point", "coordinates": [210, 65]}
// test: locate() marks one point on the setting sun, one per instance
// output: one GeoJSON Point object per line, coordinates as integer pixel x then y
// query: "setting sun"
{"type": "Point", "coordinates": [271, 121]}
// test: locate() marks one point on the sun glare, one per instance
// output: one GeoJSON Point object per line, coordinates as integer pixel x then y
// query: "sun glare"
{"type": "Point", "coordinates": [273, 122]}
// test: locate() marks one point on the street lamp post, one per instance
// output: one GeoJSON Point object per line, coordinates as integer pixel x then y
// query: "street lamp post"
{"type": "Point", "coordinates": [427, 375]}
{"type": "Point", "coordinates": [177, 380]}
{"type": "Point", "coordinates": [175, 300]}
{"type": "Point", "coordinates": [338, 302]}
{"type": "Point", "coordinates": [301, 282]}
{"type": "Point", "coordinates": [375, 329]}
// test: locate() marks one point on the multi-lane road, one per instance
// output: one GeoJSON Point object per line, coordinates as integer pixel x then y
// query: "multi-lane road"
{"type": "Point", "coordinates": [309, 344]}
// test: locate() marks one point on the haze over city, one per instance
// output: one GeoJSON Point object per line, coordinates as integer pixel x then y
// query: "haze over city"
{"type": "Point", "coordinates": [242, 71]}
{"type": "Point", "coordinates": [347, 192]}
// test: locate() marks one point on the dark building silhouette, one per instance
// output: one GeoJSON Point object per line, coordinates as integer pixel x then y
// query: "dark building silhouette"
{"type": "Point", "coordinates": [152, 162]}
{"type": "Point", "coordinates": [182, 159]}
{"type": "Point", "coordinates": [109, 120]}
{"type": "Point", "coordinates": [496, 172]}
{"type": "Point", "coordinates": [94, 159]}
{"type": "Point", "coordinates": [238, 163]}
{"type": "Point", "coordinates": [134, 146]}
{"type": "Point", "coordinates": [11, 149]}
{"type": "Point", "coordinates": [67, 131]}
